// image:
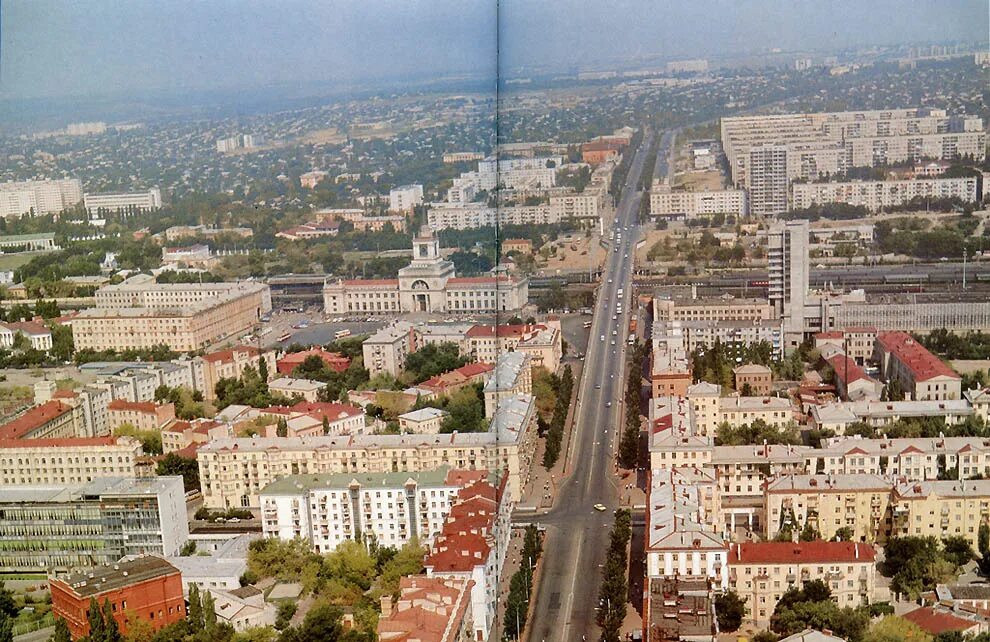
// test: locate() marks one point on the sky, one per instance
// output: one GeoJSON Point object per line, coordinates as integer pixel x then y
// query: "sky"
{"type": "Point", "coordinates": [50, 48]}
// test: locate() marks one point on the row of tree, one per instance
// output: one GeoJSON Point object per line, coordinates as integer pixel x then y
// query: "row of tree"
{"type": "Point", "coordinates": [629, 444]}
{"type": "Point", "coordinates": [521, 584]}
{"type": "Point", "coordinates": [614, 590]}
{"type": "Point", "coordinates": [555, 431]}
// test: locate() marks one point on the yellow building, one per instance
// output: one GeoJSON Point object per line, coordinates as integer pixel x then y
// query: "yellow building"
{"type": "Point", "coordinates": [941, 508]}
{"type": "Point", "coordinates": [828, 503]}
{"type": "Point", "coordinates": [760, 572]}
{"type": "Point", "coordinates": [233, 471]}
{"type": "Point", "coordinates": [73, 460]}
{"type": "Point", "coordinates": [184, 323]}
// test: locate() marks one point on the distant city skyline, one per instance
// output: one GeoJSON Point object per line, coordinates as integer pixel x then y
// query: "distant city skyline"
{"type": "Point", "coordinates": [96, 48]}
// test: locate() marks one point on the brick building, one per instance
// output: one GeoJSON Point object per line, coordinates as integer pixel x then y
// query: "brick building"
{"type": "Point", "coordinates": [147, 587]}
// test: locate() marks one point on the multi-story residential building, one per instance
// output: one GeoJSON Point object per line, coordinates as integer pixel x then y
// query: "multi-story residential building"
{"type": "Point", "coordinates": [425, 421]}
{"type": "Point", "coordinates": [85, 129]}
{"type": "Point", "coordinates": [840, 415]}
{"type": "Point", "coordinates": [712, 310]}
{"type": "Point", "coordinates": [828, 503]}
{"type": "Point", "coordinates": [450, 382]}
{"type": "Point", "coordinates": [513, 375]}
{"type": "Point", "coordinates": [290, 387]}
{"type": "Point", "coordinates": [392, 508]}
{"type": "Point", "coordinates": [143, 415]}
{"type": "Point", "coordinates": [386, 350]}
{"type": "Point", "coordinates": [857, 342]}
{"type": "Point", "coordinates": [231, 364]}
{"type": "Point", "coordinates": [61, 526]}
{"type": "Point", "coordinates": [428, 609]}
{"type": "Point", "coordinates": [670, 374]}
{"type": "Point", "coordinates": [71, 460]}
{"type": "Point", "coordinates": [921, 374]}
{"type": "Point", "coordinates": [587, 205]}
{"type": "Point", "coordinates": [876, 195]}
{"type": "Point", "coordinates": [473, 546]}
{"type": "Point", "coordinates": [405, 197]}
{"type": "Point", "coordinates": [140, 313]}
{"type": "Point", "coordinates": [146, 588]}
{"type": "Point", "coordinates": [711, 409]}
{"type": "Point", "coordinates": [541, 341]}
{"type": "Point", "coordinates": [234, 471]}
{"type": "Point", "coordinates": [39, 197]}
{"type": "Point", "coordinates": [941, 508]}
{"type": "Point", "coordinates": [684, 535]}
{"type": "Point", "coordinates": [919, 458]}
{"type": "Point", "coordinates": [462, 157]}
{"type": "Point", "coordinates": [760, 572]}
{"type": "Point", "coordinates": [667, 203]}
{"type": "Point", "coordinates": [123, 202]}
{"type": "Point", "coordinates": [856, 139]}
{"type": "Point", "coordinates": [851, 381]}
{"type": "Point", "coordinates": [758, 378]}
{"type": "Point", "coordinates": [767, 179]}
{"type": "Point", "coordinates": [52, 419]}
{"type": "Point", "coordinates": [428, 284]}
{"type": "Point", "coordinates": [787, 255]}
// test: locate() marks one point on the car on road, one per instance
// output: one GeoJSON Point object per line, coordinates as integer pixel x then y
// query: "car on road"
{"type": "Point", "coordinates": [601, 508]}
{"type": "Point", "coordinates": [602, 338]}
{"type": "Point", "coordinates": [598, 386]}
{"type": "Point", "coordinates": [608, 404]}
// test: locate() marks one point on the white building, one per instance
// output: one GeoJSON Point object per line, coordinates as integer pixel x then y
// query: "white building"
{"type": "Point", "coordinates": [326, 510]}
{"type": "Point", "coordinates": [128, 202]}
{"type": "Point", "coordinates": [874, 195]}
{"type": "Point", "coordinates": [405, 198]}
{"type": "Point", "coordinates": [39, 197]}
{"type": "Point", "coordinates": [788, 264]}
{"type": "Point", "coordinates": [664, 202]}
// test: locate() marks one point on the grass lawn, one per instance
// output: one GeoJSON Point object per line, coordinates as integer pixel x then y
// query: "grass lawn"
{"type": "Point", "coordinates": [14, 261]}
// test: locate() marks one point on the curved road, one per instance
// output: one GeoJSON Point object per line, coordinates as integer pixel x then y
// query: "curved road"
{"type": "Point", "coordinates": [577, 535]}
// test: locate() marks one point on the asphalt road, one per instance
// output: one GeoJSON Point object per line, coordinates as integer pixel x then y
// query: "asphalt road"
{"type": "Point", "coordinates": [577, 534]}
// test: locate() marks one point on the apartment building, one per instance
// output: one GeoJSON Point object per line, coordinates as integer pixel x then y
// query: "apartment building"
{"type": "Point", "coordinates": [876, 195]}
{"type": "Point", "coordinates": [143, 415]}
{"type": "Point", "coordinates": [39, 197]}
{"type": "Point", "coordinates": [52, 419]}
{"type": "Point", "coordinates": [404, 198]}
{"type": "Point", "coordinates": [231, 364]}
{"type": "Point", "coordinates": [473, 546]}
{"type": "Point", "coordinates": [828, 503]}
{"type": "Point", "coordinates": [853, 341]}
{"type": "Point", "coordinates": [934, 508]}
{"type": "Point", "coordinates": [683, 533]}
{"type": "Point", "coordinates": [760, 572]}
{"type": "Point", "coordinates": [921, 374]}
{"type": "Point", "coordinates": [840, 415]}
{"type": "Point", "coordinates": [233, 472]}
{"type": "Point", "coordinates": [186, 317]}
{"type": "Point", "coordinates": [712, 310]}
{"type": "Point", "coordinates": [788, 265]}
{"type": "Point", "coordinates": [326, 510]}
{"type": "Point", "coordinates": [667, 203]}
{"type": "Point", "coordinates": [61, 527]}
{"type": "Point", "coordinates": [428, 609]}
{"type": "Point", "coordinates": [290, 387]}
{"type": "Point", "coordinates": [385, 351]}
{"type": "Point", "coordinates": [513, 375]}
{"type": "Point", "coordinates": [711, 409]}
{"type": "Point", "coordinates": [587, 205]}
{"type": "Point", "coordinates": [758, 378]}
{"type": "Point", "coordinates": [919, 458]}
{"type": "Point", "coordinates": [70, 460]}
{"type": "Point", "coordinates": [123, 202]}
{"type": "Point", "coordinates": [425, 421]}
{"type": "Point", "coordinates": [450, 382]}
{"type": "Point", "coordinates": [542, 341]}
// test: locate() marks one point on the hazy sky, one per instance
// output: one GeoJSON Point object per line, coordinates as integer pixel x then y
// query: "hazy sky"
{"type": "Point", "coordinates": [57, 47]}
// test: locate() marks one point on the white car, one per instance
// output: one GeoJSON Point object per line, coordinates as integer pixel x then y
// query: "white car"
{"type": "Point", "coordinates": [603, 338]}
{"type": "Point", "coordinates": [601, 508]}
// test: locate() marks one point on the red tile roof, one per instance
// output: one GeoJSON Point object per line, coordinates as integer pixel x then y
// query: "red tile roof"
{"type": "Point", "coordinates": [334, 360]}
{"type": "Point", "coordinates": [372, 282]}
{"type": "Point", "coordinates": [503, 330]}
{"type": "Point", "coordinates": [225, 356]}
{"type": "Point", "coordinates": [65, 442]}
{"type": "Point", "coordinates": [146, 407]}
{"type": "Point", "coordinates": [804, 552]}
{"type": "Point", "coordinates": [475, 369]}
{"type": "Point", "coordinates": [460, 552]}
{"type": "Point", "coordinates": [28, 327]}
{"type": "Point", "coordinates": [831, 334]}
{"type": "Point", "coordinates": [922, 363]}
{"type": "Point", "coordinates": [936, 622]}
{"type": "Point", "coordinates": [845, 366]}
{"type": "Point", "coordinates": [33, 419]}
{"type": "Point", "coordinates": [332, 411]}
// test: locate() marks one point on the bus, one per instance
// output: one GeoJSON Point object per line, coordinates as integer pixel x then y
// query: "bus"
{"type": "Point", "coordinates": [587, 324]}
{"type": "Point", "coordinates": [340, 334]}
{"type": "Point", "coordinates": [632, 338]}
{"type": "Point", "coordinates": [285, 337]}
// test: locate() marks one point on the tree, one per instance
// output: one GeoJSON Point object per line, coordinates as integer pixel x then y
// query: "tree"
{"type": "Point", "coordinates": [263, 368]}
{"type": "Point", "coordinates": [97, 626]}
{"type": "Point", "coordinates": [983, 539]}
{"type": "Point", "coordinates": [61, 632]}
{"type": "Point", "coordinates": [730, 609]}
{"type": "Point", "coordinates": [286, 610]}
{"type": "Point", "coordinates": [7, 605]}
{"type": "Point", "coordinates": [844, 534]}
{"type": "Point", "coordinates": [174, 464]}
{"type": "Point", "coordinates": [282, 428]}
{"type": "Point", "coordinates": [434, 359]}
{"type": "Point", "coordinates": [138, 629]}
{"type": "Point", "coordinates": [895, 629]}
{"type": "Point", "coordinates": [957, 549]}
